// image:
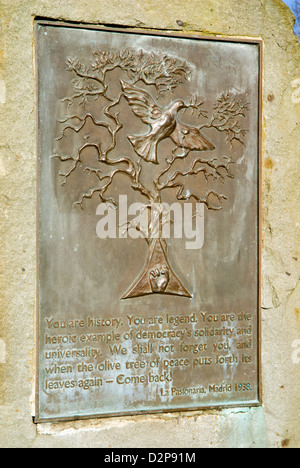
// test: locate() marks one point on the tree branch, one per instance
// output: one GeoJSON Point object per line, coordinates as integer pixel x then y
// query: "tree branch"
{"type": "Point", "coordinates": [228, 110]}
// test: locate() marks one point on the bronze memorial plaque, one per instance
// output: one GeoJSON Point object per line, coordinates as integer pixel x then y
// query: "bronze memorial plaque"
{"type": "Point", "coordinates": [149, 231]}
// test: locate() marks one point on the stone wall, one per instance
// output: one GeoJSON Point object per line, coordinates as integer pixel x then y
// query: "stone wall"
{"type": "Point", "coordinates": [276, 422]}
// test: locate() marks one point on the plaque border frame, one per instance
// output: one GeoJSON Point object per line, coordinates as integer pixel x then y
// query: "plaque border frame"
{"type": "Point", "coordinates": [258, 41]}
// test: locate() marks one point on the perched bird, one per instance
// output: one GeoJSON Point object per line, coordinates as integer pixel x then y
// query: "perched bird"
{"type": "Point", "coordinates": [163, 124]}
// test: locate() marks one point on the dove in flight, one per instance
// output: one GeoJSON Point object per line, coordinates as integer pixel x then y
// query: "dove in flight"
{"type": "Point", "coordinates": [163, 124]}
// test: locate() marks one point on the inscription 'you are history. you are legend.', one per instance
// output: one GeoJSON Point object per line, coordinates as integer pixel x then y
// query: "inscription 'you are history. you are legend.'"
{"type": "Point", "coordinates": [148, 243]}
{"type": "Point", "coordinates": [96, 352]}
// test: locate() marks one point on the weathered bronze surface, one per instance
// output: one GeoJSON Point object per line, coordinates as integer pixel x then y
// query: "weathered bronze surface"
{"type": "Point", "coordinates": [148, 222]}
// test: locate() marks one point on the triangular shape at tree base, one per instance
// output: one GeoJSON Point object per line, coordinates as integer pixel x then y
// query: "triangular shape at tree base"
{"type": "Point", "coordinates": [157, 277]}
